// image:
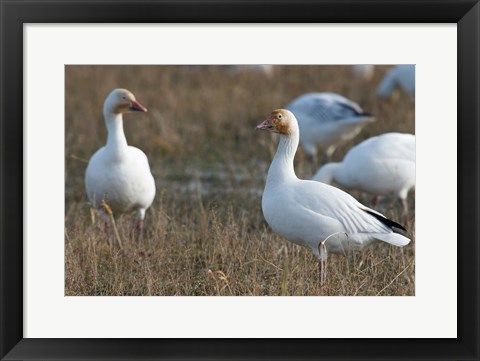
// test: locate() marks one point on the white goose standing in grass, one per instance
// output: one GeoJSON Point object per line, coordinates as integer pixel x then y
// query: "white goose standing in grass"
{"type": "Point", "coordinates": [313, 214]}
{"type": "Point", "coordinates": [117, 173]}
{"type": "Point", "coordinates": [380, 165]}
{"type": "Point", "coordinates": [327, 120]}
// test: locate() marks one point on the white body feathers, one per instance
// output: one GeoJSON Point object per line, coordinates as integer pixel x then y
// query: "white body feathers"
{"type": "Point", "coordinates": [122, 177]}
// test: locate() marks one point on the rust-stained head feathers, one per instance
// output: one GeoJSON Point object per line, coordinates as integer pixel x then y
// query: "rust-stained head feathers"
{"type": "Point", "coordinates": [281, 121]}
{"type": "Point", "coordinates": [122, 101]}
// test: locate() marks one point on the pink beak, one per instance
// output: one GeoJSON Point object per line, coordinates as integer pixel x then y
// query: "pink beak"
{"type": "Point", "coordinates": [265, 125]}
{"type": "Point", "coordinates": [136, 106]}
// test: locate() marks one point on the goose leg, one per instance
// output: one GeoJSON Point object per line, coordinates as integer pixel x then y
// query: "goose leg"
{"type": "Point", "coordinates": [139, 225]}
{"type": "Point", "coordinates": [322, 269]}
{"type": "Point", "coordinates": [139, 231]}
{"type": "Point", "coordinates": [329, 152]}
{"type": "Point", "coordinates": [106, 226]}
{"type": "Point", "coordinates": [311, 153]}
{"type": "Point", "coordinates": [405, 208]}
{"type": "Point", "coordinates": [313, 160]}
{"type": "Point", "coordinates": [322, 257]}
{"type": "Point", "coordinates": [107, 213]}
{"type": "Point", "coordinates": [322, 262]}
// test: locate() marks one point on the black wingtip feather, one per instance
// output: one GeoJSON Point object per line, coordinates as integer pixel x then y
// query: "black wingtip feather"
{"type": "Point", "coordinates": [394, 226]}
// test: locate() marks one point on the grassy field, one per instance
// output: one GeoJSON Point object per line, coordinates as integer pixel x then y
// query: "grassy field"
{"type": "Point", "coordinates": [205, 233]}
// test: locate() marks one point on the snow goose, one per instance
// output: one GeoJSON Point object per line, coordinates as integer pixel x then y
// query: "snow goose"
{"type": "Point", "coordinates": [314, 214]}
{"type": "Point", "coordinates": [380, 165]}
{"type": "Point", "coordinates": [119, 174]}
{"type": "Point", "coordinates": [326, 120]}
{"type": "Point", "coordinates": [402, 76]}
{"type": "Point", "coordinates": [364, 71]}
{"type": "Point", "coordinates": [265, 69]}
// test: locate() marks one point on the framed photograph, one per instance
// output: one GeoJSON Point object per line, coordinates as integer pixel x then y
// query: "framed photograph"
{"type": "Point", "coordinates": [190, 274]}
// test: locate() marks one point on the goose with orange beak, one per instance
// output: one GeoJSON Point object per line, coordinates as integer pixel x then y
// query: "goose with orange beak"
{"type": "Point", "coordinates": [316, 215]}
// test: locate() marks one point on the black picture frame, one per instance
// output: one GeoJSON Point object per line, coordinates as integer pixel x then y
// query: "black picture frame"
{"type": "Point", "coordinates": [14, 14]}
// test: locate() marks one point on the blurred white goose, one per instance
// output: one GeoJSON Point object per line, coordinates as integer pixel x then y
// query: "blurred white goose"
{"type": "Point", "coordinates": [117, 173]}
{"type": "Point", "coordinates": [265, 69]}
{"type": "Point", "coordinates": [380, 165]}
{"type": "Point", "coordinates": [402, 76]}
{"type": "Point", "coordinates": [326, 120]}
{"type": "Point", "coordinates": [364, 71]}
{"type": "Point", "coordinates": [313, 214]}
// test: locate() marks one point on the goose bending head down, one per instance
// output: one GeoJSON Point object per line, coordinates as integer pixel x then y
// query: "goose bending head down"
{"type": "Point", "coordinates": [316, 215]}
{"type": "Point", "coordinates": [327, 120]}
{"type": "Point", "coordinates": [118, 174]}
{"type": "Point", "coordinates": [380, 165]}
{"type": "Point", "coordinates": [403, 76]}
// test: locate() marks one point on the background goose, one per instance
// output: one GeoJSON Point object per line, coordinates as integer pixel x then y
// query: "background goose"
{"type": "Point", "coordinates": [402, 76]}
{"type": "Point", "coordinates": [119, 173]}
{"type": "Point", "coordinates": [314, 214]}
{"type": "Point", "coordinates": [326, 120]}
{"type": "Point", "coordinates": [265, 69]}
{"type": "Point", "coordinates": [364, 71]}
{"type": "Point", "coordinates": [380, 165]}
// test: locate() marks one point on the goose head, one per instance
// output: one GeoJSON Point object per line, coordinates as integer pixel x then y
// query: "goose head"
{"type": "Point", "coordinates": [281, 121]}
{"type": "Point", "coordinates": [122, 101]}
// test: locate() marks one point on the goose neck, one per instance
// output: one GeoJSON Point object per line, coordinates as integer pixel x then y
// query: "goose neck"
{"type": "Point", "coordinates": [116, 136]}
{"type": "Point", "coordinates": [281, 169]}
{"type": "Point", "coordinates": [328, 173]}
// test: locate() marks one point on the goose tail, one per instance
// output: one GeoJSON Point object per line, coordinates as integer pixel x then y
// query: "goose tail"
{"type": "Point", "coordinates": [398, 237]}
{"type": "Point", "coordinates": [395, 239]}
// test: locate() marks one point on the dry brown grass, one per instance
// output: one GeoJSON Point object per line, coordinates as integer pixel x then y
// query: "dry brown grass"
{"type": "Point", "coordinates": [205, 233]}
